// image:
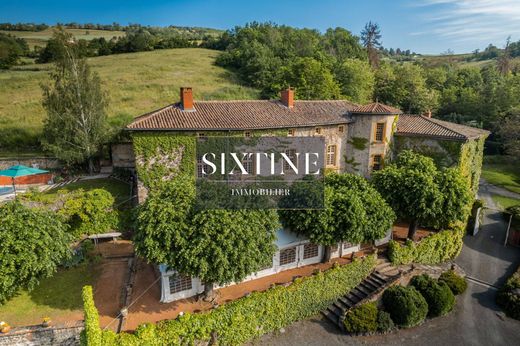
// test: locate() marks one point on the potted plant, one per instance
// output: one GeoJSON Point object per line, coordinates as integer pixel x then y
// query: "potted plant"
{"type": "Point", "coordinates": [4, 327]}
{"type": "Point", "coordinates": [46, 322]}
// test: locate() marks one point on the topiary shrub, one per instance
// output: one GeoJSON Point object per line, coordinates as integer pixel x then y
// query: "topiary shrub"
{"type": "Point", "coordinates": [406, 306]}
{"type": "Point", "coordinates": [361, 319]}
{"type": "Point", "coordinates": [508, 297]}
{"type": "Point", "coordinates": [456, 283]}
{"type": "Point", "coordinates": [439, 297]}
{"type": "Point", "coordinates": [384, 321]}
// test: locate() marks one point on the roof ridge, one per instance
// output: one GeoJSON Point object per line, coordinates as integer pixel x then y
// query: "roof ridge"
{"type": "Point", "coordinates": [442, 125]}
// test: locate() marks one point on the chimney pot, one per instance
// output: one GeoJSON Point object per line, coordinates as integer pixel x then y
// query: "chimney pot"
{"type": "Point", "coordinates": [187, 99]}
{"type": "Point", "coordinates": [287, 97]}
{"type": "Point", "coordinates": [428, 113]}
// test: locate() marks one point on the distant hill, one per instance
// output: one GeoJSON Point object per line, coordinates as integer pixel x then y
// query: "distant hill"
{"type": "Point", "coordinates": [136, 83]}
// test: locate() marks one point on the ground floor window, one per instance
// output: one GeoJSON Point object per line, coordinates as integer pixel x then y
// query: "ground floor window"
{"type": "Point", "coordinates": [310, 251]}
{"type": "Point", "coordinates": [287, 256]}
{"type": "Point", "coordinates": [179, 283]}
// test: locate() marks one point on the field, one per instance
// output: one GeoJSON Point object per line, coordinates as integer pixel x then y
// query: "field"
{"type": "Point", "coordinates": [136, 83]}
{"type": "Point", "coordinates": [39, 38]}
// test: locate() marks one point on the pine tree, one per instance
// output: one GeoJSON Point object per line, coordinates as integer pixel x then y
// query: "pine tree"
{"type": "Point", "coordinates": [370, 36]}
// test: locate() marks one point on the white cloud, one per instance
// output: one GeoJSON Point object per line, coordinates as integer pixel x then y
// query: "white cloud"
{"type": "Point", "coordinates": [466, 20]}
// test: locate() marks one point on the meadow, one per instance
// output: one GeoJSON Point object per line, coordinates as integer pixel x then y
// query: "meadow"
{"type": "Point", "coordinates": [135, 83]}
{"type": "Point", "coordinates": [39, 38]}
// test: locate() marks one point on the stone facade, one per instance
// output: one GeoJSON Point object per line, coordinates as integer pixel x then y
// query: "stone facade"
{"type": "Point", "coordinates": [36, 162]}
{"type": "Point", "coordinates": [123, 155]}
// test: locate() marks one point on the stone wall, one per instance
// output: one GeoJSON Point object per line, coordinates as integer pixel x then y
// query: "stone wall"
{"type": "Point", "coordinates": [361, 145]}
{"type": "Point", "coordinates": [123, 155]}
{"type": "Point", "coordinates": [38, 335]}
{"type": "Point", "coordinates": [36, 162]}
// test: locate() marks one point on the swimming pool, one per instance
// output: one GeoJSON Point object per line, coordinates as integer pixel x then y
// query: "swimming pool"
{"type": "Point", "coordinates": [6, 190]}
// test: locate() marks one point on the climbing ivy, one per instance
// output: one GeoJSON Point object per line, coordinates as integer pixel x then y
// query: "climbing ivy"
{"type": "Point", "coordinates": [359, 143]}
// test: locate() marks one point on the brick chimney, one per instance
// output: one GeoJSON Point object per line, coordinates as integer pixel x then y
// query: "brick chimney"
{"type": "Point", "coordinates": [428, 113]}
{"type": "Point", "coordinates": [287, 97]}
{"type": "Point", "coordinates": [187, 99]}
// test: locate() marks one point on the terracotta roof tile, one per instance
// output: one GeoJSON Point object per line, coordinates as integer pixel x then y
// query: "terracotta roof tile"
{"type": "Point", "coordinates": [421, 126]}
{"type": "Point", "coordinates": [376, 108]}
{"type": "Point", "coordinates": [241, 115]}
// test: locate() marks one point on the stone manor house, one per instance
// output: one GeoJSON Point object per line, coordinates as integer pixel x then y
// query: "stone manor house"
{"type": "Point", "coordinates": [359, 139]}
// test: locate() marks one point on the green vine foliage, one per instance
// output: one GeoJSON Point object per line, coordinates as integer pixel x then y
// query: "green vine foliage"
{"type": "Point", "coordinates": [359, 143]}
{"type": "Point", "coordinates": [250, 317]}
{"type": "Point", "coordinates": [470, 162]}
{"type": "Point", "coordinates": [162, 157]}
{"type": "Point", "coordinates": [437, 248]}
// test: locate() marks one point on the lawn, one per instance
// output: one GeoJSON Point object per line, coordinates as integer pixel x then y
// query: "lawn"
{"type": "Point", "coordinates": [136, 83]}
{"type": "Point", "coordinates": [504, 202]}
{"type": "Point", "coordinates": [58, 297]}
{"type": "Point", "coordinates": [502, 171]}
{"type": "Point", "coordinates": [118, 189]}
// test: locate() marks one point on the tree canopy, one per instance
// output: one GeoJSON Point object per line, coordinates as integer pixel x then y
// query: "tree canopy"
{"type": "Point", "coordinates": [218, 246]}
{"type": "Point", "coordinates": [420, 193]}
{"type": "Point", "coordinates": [354, 212]}
{"type": "Point", "coordinates": [76, 123]}
{"type": "Point", "coordinates": [33, 243]}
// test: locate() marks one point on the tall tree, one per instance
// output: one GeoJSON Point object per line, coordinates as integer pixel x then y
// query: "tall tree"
{"type": "Point", "coordinates": [218, 246]}
{"type": "Point", "coordinates": [509, 130]}
{"type": "Point", "coordinates": [33, 244]}
{"type": "Point", "coordinates": [371, 36]}
{"type": "Point", "coordinates": [76, 123]}
{"type": "Point", "coordinates": [409, 186]}
{"type": "Point", "coordinates": [504, 59]}
{"type": "Point", "coordinates": [356, 80]}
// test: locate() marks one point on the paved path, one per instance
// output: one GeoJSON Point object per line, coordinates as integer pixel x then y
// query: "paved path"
{"type": "Point", "coordinates": [476, 319]}
{"type": "Point", "coordinates": [484, 186]}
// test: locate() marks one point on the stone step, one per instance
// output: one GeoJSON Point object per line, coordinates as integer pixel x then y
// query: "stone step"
{"type": "Point", "coordinates": [381, 278]}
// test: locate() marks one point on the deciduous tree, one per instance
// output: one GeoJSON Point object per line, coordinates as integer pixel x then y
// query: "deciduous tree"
{"type": "Point", "coordinates": [76, 123]}
{"type": "Point", "coordinates": [32, 245]}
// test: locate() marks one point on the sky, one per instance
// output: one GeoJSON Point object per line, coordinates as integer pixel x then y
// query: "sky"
{"type": "Point", "coordinates": [423, 26]}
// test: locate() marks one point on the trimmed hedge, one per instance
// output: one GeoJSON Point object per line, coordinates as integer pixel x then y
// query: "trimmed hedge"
{"type": "Point", "coordinates": [456, 283]}
{"type": "Point", "coordinates": [439, 297]}
{"type": "Point", "coordinates": [437, 248]}
{"type": "Point", "coordinates": [406, 306]}
{"type": "Point", "coordinates": [506, 297]}
{"type": "Point", "coordinates": [91, 335]}
{"type": "Point", "coordinates": [249, 317]}
{"type": "Point", "coordinates": [361, 319]}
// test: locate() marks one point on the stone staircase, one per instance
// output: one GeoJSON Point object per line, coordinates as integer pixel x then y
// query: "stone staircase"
{"type": "Point", "coordinates": [383, 276]}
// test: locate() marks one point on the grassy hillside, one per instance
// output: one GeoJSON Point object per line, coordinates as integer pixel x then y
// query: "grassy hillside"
{"type": "Point", "coordinates": [39, 38]}
{"type": "Point", "coordinates": [136, 83]}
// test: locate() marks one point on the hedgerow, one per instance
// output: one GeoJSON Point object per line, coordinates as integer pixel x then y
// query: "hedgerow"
{"type": "Point", "coordinates": [508, 299]}
{"type": "Point", "coordinates": [247, 318]}
{"type": "Point", "coordinates": [437, 248]}
{"type": "Point", "coordinates": [91, 335]}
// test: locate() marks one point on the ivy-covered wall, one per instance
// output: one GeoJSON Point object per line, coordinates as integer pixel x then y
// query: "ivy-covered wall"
{"type": "Point", "coordinates": [467, 155]}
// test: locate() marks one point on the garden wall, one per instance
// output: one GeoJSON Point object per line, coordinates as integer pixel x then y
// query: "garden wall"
{"type": "Point", "coordinates": [38, 335]}
{"type": "Point", "coordinates": [38, 162]}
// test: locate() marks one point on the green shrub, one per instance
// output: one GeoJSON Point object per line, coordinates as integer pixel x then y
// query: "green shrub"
{"type": "Point", "coordinates": [252, 316]}
{"type": "Point", "coordinates": [439, 297]}
{"type": "Point", "coordinates": [437, 248]}
{"type": "Point", "coordinates": [384, 321]}
{"type": "Point", "coordinates": [456, 283]}
{"type": "Point", "coordinates": [90, 212]}
{"type": "Point", "coordinates": [361, 319]}
{"type": "Point", "coordinates": [92, 334]}
{"type": "Point", "coordinates": [506, 297]}
{"type": "Point", "coordinates": [406, 306]}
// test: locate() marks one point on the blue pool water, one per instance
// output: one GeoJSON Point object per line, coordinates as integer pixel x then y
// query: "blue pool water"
{"type": "Point", "coordinates": [5, 190]}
